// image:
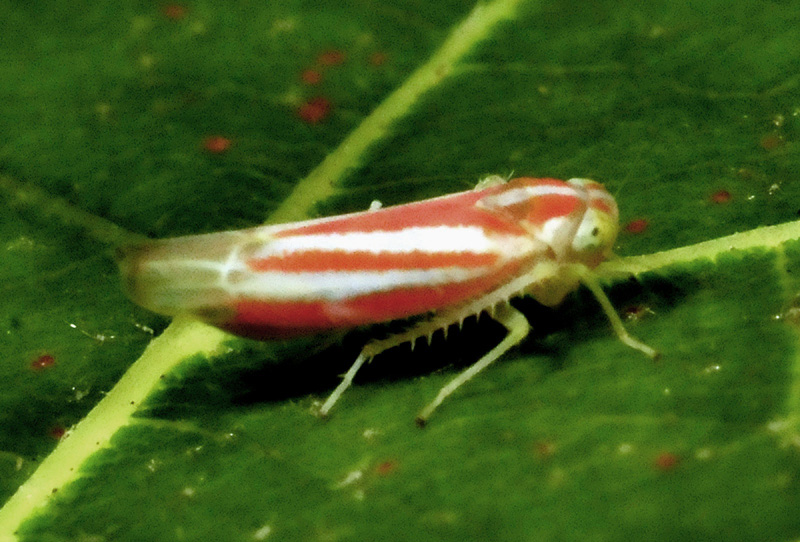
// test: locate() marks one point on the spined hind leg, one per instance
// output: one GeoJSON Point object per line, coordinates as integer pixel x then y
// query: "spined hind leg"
{"type": "Point", "coordinates": [518, 328]}
{"type": "Point", "coordinates": [512, 319]}
{"type": "Point", "coordinates": [425, 328]}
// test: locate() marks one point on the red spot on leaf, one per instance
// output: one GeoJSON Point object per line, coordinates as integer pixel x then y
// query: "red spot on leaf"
{"type": "Point", "coordinates": [666, 461]}
{"type": "Point", "coordinates": [176, 12]}
{"type": "Point", "coordinates": [770, 142]}
{"type": "Point", "coordinates": [721, 196]}
{"type": "Point", "coordinates": [638, 225]}
{"type": "Point", "coordinates": [378, 58]}
{"type": "Point", "coordinates": [57, 432]}
{"type": "Point", "coordinates": [315, 110]}
{"type": "Point", "coordinates": [44, 361]}
{"type": "Point", "coordinates": [332, 57]}
{"type": "Point", "coordinates": [216, 144]}
{"type": "Point", "coordinates": [311, 77]}
{"type": "Point", "coordinates": [544, 449]}
{"type": "Point", "coordinates": [385, 468]}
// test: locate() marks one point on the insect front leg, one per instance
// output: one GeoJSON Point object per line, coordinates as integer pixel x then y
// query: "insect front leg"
{"type": "Point", "coordinates": [518, 328]}
{"type": "Point", "coordinates": [590, 281]}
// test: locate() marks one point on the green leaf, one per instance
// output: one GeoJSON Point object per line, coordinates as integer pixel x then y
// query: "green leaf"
{"type": "Point", "coordinates": [123, 120]}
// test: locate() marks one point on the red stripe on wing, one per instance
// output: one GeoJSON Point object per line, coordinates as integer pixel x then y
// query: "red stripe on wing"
{"type": "Point", "coordinates": [553, 206]}
{"type": "Point", "coordinates": [537, 208]}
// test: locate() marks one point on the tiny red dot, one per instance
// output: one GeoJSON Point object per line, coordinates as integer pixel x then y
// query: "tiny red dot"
{"type": "Point", "coordinates": [666, 461]}
{"type": "Point", "coordinates": [637, 225]}
{"type": "Point", "coordinates": [385, 468]}
{"type": "Point", "coordinates": [57, 432]}
{"type": "Point", "coordinates": [43, 362]}
{"type": "Point", "coordinates": [721, 196]}
{"type": "Point", "coordinates": [378, 58]}
{"type": "Point", "coordinates": [175, 12]}
{"type": "Point", "coordinates": [311, 77]}
{"type": "Point", "coordinates": [771, 142]}
{"type": "Point", "coordinates": [216, 144]}
{"type": "Point", "coordinates": [315, 110]}
{"type": "Point", "coordinates": [545, 449]}
{"type": "Point", "coordinates": [332, 57]}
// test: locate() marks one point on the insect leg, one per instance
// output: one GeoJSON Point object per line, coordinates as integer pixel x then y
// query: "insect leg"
{"type": "Point", "coordinates": [425, 328]}
{"type": "Point", "coordinates": [590, 281]}
{"type": "Point", "coordinates": [512, 319]}
{"type": "Point", "coordinates": [518, 328]}
{"type": "Point", "coordinates": [347, 380]}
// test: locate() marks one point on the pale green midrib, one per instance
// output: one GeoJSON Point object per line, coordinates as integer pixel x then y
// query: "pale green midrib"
{"type": "Point", "coordinates": [320, 182]}
{"type": "Point", "coordinates": [790, 424]}
{"type": "Point", "coordinates": [183, 338]}
{"type": "Point", "coordinates": [767, 237]}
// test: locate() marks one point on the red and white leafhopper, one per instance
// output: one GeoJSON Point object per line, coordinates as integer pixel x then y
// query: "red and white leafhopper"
{"type": "Point", "coordinates": [445, 258]}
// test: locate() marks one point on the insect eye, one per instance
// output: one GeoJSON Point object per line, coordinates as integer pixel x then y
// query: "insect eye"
{"type": "Point", "coordinates": [595, 235]}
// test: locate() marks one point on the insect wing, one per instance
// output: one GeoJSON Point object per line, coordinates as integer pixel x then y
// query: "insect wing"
{"type": "Point", "coordinates": [378, 266]}
{"type": "Point", "coordinates": [349, 270]}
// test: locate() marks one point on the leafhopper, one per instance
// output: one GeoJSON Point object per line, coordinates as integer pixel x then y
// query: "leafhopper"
{"type": "Point", "coordinates": [444, 259]}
